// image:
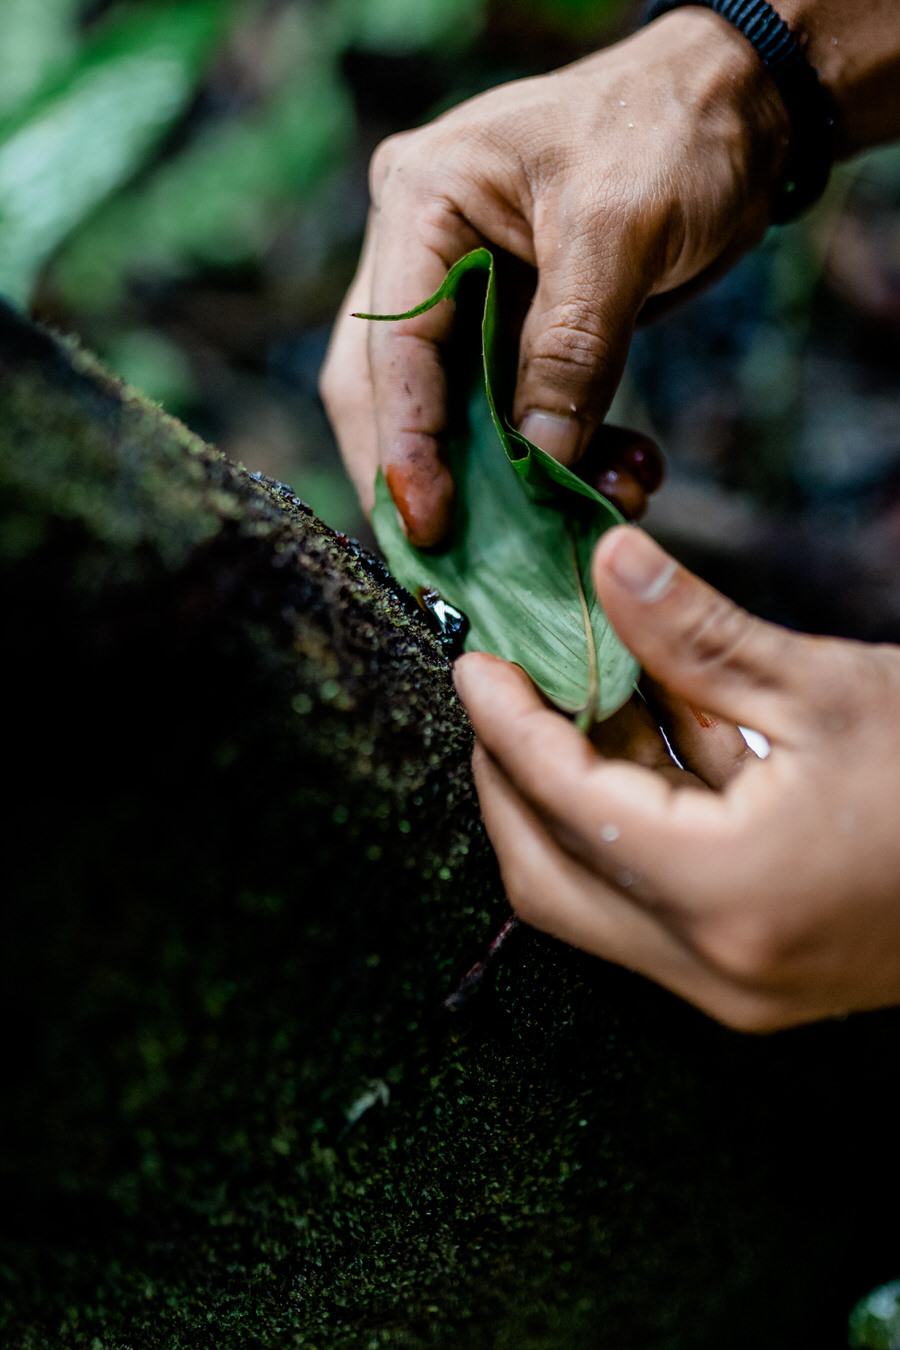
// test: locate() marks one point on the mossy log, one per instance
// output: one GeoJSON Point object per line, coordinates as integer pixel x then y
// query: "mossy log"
{"type": "Point", "coordinates": [245, 874]}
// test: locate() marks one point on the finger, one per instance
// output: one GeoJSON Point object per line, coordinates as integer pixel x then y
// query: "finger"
{"type": "Point", "coordinates": [700, 645]}
{"type": "Point", "coordinates": [611, 814]}
{"type": "Point", "coordinates": [633, 734]}
{"type": "Point", "coordinates": [552, 891]}
{"type": "Point", "coordinates": [626, 466]}
{"type": "Point", "coordinates": [344, 384]}
{"type": "Point", "coordinates": [418, 238]}
{"type": "Point", "coordinates": [590, 289]}
{"type": "Point", "coordinates": [707, 746]}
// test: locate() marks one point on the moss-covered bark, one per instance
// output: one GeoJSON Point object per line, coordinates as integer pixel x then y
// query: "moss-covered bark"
{"type": "Point", "coordinates": [244, 870]}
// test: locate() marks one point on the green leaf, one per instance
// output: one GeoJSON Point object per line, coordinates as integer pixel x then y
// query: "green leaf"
{"type": "Point", "coordinates": [236, 183]}
{"type": "Point", "coordinates": [37, 40]}
{"type": "Point", "coordinates": [66, 151]}
{"type": "Point", "coordinates": [518, 559]}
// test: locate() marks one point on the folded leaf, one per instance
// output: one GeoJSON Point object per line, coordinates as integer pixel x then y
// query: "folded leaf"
{"type": "Point", "coordinates": [517, 562]}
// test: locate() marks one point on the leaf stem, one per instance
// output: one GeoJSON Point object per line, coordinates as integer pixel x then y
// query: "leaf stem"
{"type": "Point", "coordinates": [586, 718]}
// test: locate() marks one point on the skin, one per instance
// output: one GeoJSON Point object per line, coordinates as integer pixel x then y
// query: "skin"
{"type": "Point", "coordinates": [588, 179]}
{"type": "Point", "coordinates": [767, 892]}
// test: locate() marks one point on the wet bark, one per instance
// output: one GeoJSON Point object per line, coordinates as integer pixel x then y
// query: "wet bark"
{"type": "Point", "coordinates": [245, 873]}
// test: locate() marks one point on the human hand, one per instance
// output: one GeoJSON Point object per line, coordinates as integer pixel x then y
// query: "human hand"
{"type": "Point", "coordinates": [619, 180]}
{"type": "Point", "coordinates": [765, 891]}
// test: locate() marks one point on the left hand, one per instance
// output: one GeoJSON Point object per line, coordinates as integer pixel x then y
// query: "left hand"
{"type": "Point", "coordinates": [606, 189]}
{"type": "Point", "coordinates": [765, 891]}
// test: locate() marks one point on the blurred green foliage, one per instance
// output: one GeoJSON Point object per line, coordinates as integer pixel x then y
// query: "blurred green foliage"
{"type": "Point", "coordinates": [183, 183]}
{"type": "Point", "coordinates": [79, 128]}
{"type": "Point", "coordinates": [89, 92]}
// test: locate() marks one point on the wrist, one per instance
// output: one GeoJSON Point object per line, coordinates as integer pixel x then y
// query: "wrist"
{"type": "Point", "coordinates": [809, 107]}
{"type": "Point", "coordinates": [855, 48]}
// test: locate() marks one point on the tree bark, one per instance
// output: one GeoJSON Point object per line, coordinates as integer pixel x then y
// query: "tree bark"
{"type": "Point", "coordinates": [243, 1107]}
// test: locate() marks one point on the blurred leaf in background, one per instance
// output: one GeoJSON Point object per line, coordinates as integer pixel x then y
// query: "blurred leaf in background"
{"type": "Point", "coordinates": [403, 26]}
{"type": "Point", "coordinates": [577, 18]}
{"type": "Point", "coordinates": [82, 131]}
{"type": "Point", "coordinates": [222, 198]}
{"type": "Point", "coordinates": [38, 39]}
{"type": "Point", "coordinates": [184, 185]}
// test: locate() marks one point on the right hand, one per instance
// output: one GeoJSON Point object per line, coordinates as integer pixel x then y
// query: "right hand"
{"type": "Point", "coordinates": [765, 891]}
{"type": "Point", "coordinates": [627, 177]}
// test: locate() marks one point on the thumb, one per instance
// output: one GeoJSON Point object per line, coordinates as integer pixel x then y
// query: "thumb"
{"type": "Point", "coordinates": [698, 644]}
{"type": "Point", "coordinates": [575, 340]}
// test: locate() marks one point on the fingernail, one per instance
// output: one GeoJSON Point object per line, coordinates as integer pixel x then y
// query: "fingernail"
{"type": "Point", "coordinates": [644, 461]}
{"type": "Point", "coordinates": [424, 504]}
{"type": "Point", "coordinates": [640, 565]}
{"type": "Point", "coordinates": [554, 433]}
{"type": "Point", "coordinates": [469, 674]}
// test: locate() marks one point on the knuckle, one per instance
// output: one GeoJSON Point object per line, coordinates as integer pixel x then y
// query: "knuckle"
{"type": "Point", "coordinates": [384, 160]}
{"type": "Point", "coordinates": [715, 630]}
{"type": "Point", "coordinates": [437, 224]}
{"type": "Point", "coordinates": [571, 349]}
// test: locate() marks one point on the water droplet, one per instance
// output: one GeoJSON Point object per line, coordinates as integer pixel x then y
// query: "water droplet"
{"type": "Point", "coordinates": [624, 877]}
{"type": "Point", "coordinates": [622, 103]}
{"type": "Point", "coordinates": [609, 834]}
{"type": "Point", "coordinates": [757, 742]}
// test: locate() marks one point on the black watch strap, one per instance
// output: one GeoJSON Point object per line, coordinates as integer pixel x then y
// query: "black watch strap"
{"type": "Point", "coordinates": [811, 154]}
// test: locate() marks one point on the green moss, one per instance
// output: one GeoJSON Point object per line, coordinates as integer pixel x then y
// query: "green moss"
{"type": "Point", "coordinates": [247, 870]}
